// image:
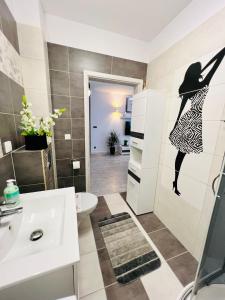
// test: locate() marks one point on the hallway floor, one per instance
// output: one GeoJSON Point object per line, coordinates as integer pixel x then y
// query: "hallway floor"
{"type": "Point", "coordinates": [108, 173]}
{"type": "Point", "coordinates": [178, 267]}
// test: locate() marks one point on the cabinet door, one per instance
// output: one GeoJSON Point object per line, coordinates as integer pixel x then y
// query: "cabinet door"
{"type": "Point", "coordinates": [138, 124]}
{"type": "Point", "coordinates": [137, 143]}
{"type": "Point", "coordinates": [139, 105]}
{"type": "Point", "coordinates": [132, 193]}
{"type": "Point", "coordinates": [135, 168]}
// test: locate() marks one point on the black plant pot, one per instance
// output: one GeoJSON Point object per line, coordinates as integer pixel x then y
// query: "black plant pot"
{"type": "Point", "coordinates": [35, 142]}
{"type": "Point", "coordinates": [112, 150]}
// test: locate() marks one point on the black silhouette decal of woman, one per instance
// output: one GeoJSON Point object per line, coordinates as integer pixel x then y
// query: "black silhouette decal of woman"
{"type": "Point", "coordinates": [186, 135]}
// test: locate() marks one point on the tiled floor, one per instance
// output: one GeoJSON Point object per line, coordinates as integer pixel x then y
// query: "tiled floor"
{"type": "Point", "coordinates": [179, 259]}
{"type": "Point", "coordinates": [108, 173]}
{"type": "Point", "coordinates": [97, 280]}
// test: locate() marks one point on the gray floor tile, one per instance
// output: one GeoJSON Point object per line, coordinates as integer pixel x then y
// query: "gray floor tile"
{"type": "Point", "coordinates": [150, 222]}
{"type": "Point", "coordinates": [185, 267]}
{"type": "Point", "coordinates": [167, 244]}
{"type": "Point", "coordinates": [134, 290]}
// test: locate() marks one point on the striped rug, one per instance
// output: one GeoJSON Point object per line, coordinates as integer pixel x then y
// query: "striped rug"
{"type": "Point", "coordinates": [130, 253]}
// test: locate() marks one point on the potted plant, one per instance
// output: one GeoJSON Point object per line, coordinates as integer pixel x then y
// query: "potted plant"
{"type": "Point", "coordinates": [112, 141]}
{"type": "Point", "coordinates": [36, 131]}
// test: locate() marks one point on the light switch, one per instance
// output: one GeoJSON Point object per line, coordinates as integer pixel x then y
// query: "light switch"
{"type": "Point", "coordinates": [8, 146]}
{"type": "Point", "coordinates": [67, 136]}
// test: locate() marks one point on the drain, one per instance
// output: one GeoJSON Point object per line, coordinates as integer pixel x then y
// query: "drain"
{"type": "Point", "coordinates": [36, 235]}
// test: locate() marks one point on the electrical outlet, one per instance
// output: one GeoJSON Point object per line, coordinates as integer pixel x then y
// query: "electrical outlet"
{"type": "Point", "coordinates": [67, 136]}
{"type": "Point", "coordinates": [8, 146]}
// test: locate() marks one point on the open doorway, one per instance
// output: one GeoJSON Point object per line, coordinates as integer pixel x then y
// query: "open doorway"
{"type": "Point", "coordinates": [110, 119]}
{"type": "Point", "coordinates": [108, 102]}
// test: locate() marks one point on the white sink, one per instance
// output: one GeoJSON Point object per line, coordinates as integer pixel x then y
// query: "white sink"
{"type": "Point", "coordinates": [53, 212]}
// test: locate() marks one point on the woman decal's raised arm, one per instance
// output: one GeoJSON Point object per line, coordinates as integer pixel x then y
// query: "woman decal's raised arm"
{"type": "Point", "coordinates": [217, 59]}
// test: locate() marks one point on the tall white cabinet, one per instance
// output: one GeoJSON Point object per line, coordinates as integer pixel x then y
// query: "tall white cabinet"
{"type": "Point", "coordinates": [146, 132]}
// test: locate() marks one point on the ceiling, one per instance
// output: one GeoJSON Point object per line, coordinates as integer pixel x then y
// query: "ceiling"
{"type": "Point", "coordinates": [139, 19]}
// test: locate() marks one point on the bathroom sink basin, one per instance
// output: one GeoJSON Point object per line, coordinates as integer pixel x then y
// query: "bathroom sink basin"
{"type": "Point", "coordinates": [24, 253]}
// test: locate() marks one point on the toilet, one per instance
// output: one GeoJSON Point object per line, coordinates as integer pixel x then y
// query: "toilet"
{"type": "Point", "coordinates": [86, 204]}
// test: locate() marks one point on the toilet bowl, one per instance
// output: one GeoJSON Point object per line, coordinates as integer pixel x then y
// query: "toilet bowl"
{"type": "Point", "coordinates": [86, 204]}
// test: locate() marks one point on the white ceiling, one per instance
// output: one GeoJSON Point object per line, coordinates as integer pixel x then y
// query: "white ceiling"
{"type": "Point", "coordinates": [139, 19]}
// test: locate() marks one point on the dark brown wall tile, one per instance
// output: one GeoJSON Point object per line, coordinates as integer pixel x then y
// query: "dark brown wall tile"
{"type": "Point", "coordinates": [64, 182]}
{"type": "Point", "coordinates": [63, 149]}
{"type": "Point", "coordinates": [77, 107]}
{"type": "Point", "coordinates": [32, 188]}
{"type": "Point", "coordinates": [5, 96]}
{"type": "Point", "coordinates": [78, 148]}
{"type": "Point", "coordinates": [17, 91]}
{"type": "Point", "coordinates": [79, 183]}
{"type": "Point", "coordinates": [59, 83]}
{"type": "Point", "coordinates": [81, 60]}
{"type": "Point", "coordinates": [82, 166]}
{"type": "Point", "coordinates": [28, 167]}
{"type": "Point", "coordinates": [62, 102]}
{"type": "Point", "coordinates": [64, 167]}
{"type": "Point", "coordinates": [62, 126]}
{"type": "Point", "coordinates": [58, 57]}
{"type": "Point", "coordinates": [19, 139]}
{"type": "Point", "coordinates": [9, 27]}
{"type": "Point", "coordinates": [76, 84]}
{"type": "Point", "coordinates": [7, 129]}
{"type": "Point", "coordinates": [78, 129]}
{"type": "Point", "coordinates": [6, 171]}
{"type": "Point", "coordinates": [129, 68]}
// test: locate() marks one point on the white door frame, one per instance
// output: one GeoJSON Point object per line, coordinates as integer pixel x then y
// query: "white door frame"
{"type": "Point", "coordinates": [137, 83]}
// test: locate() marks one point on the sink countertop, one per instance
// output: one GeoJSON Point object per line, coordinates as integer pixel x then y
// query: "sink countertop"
{"type": "Point", "coordinates": [55, 211]}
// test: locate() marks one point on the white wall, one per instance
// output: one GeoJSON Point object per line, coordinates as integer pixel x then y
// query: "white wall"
{"type": "Point", "coordinates": [104, 96]}
{"type": "Point", "coordinates": [25, 11]}
{"type": "Point", "coordinates": [81, 36]}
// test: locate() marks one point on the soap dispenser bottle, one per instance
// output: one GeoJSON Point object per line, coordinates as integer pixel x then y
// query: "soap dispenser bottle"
{"type": "Point", "coordinates": [11, 193]}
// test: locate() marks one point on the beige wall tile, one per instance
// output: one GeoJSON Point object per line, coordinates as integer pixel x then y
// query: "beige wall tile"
{"type": "Point", "coordinates": [39, 101]}
{"type": "Point", "coordinates": [30, 41]}
{"type": "Point", "coordinates": [34, 74]}
{"type": "Point", "coordinates": [188, 216]}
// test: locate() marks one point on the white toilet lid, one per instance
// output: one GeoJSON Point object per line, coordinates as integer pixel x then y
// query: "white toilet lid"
{"type": "Point", "coordinates": [85, 201]}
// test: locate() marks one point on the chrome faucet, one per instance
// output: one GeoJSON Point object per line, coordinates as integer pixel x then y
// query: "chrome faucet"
{"type": "Point", "coordinates": [9, 211]}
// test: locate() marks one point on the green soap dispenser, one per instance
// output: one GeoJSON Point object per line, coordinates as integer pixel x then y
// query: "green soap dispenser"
{"type": "Point", "coordinates": [11, 193]}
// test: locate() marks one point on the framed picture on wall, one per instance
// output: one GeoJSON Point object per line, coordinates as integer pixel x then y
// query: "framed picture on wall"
{"type": "Point", "coordinates": [129, 101]}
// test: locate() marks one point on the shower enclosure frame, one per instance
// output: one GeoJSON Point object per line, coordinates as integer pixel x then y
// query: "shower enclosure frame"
{"type": "Point", "coordinates": [203, 282]}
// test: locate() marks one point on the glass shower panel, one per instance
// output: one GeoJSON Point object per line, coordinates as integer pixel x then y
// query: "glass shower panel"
{"type": "Point", "coordinates": [212, 267]}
